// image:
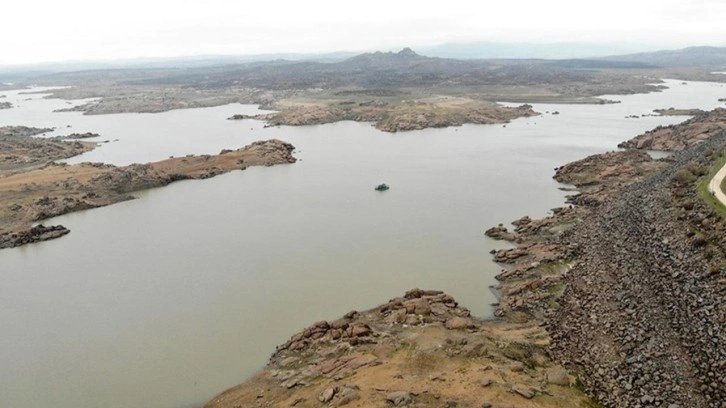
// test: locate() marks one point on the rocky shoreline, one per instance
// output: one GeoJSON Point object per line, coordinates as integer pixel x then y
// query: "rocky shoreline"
{"type": "Point", "coordinates": [35, 234]}
{"type": "Point", "coordinates": [418, 350]}
{"type": "Point", "coordinates": [622, 288]}
{"type": "Point", "coordinates": [642, 315]}
{"type": "Point", "coordinates": [35, 188]}
{"type": "Point", "coordinates": [679, 137]}
{"type": "Point", "coordinates": [72, 136]}
{"type": "Point", "coordinates": [22, 152]}
{"type": "Point", "coordinates": [678, 112]}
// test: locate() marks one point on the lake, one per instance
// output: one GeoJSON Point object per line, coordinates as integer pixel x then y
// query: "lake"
{"type": "Point", "coordinates": [167, 300]}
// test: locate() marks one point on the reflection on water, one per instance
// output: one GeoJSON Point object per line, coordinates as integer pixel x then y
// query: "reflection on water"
{"type": "Point", "coordinates": [166, 300]}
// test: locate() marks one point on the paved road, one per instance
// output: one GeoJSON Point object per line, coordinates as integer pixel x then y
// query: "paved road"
{"type": "Point", "coordinates": [715, 186]}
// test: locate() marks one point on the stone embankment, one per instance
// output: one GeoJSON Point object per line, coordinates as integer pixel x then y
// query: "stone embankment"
{"type": "Point", "coordinates": [642, 317]}
{"type": "Point", "coordinates": [641, 263]}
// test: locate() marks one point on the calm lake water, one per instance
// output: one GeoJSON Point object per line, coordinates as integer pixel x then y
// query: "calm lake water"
{"type": "Point", "coordinates": [166, 300]}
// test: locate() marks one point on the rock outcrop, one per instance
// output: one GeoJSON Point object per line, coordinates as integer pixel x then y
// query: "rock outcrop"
{"type": "Point", "coordinates": [419, 350]}
{"type": "Point", "coordinates": [35, 234]}
{"type": "Point", "coordinates": [680, 136]}
{"type": "Point", "coordinates": [55, 189]}
{"type": "Point", "coordinates": [598, 176]}
{"type": "Point", "coordinates": [86, 135]}
{"type": "Point", "coordinates": [21, 151]}
{"type": "Point", "coordinates": [678, 112]}
{"type": "Point", "coordinates": [416, 307]}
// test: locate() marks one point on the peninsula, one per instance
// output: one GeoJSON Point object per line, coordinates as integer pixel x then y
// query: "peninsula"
{"type": "Point", "coordinates": [34, 187]}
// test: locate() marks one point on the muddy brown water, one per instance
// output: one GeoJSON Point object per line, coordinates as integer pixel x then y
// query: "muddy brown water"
{"type": "Point", "coordinates": [166, 300]}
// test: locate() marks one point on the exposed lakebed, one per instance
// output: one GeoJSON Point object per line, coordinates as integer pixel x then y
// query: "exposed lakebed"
{"type": "Point", "coordinates": [166, 300]}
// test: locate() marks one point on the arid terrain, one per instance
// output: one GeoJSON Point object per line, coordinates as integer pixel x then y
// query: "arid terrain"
{"type": "Point", "coordinates": [614, 300]}
{"type": "Point", "coordinates": [34, 187]}
{"type": "Point", "coordinates": [616, 297]}
{"type": "Point", "coordinates": [418, 350]}
{"type": "Point", "coordinates": [397, 91]}
{"type": "Point", "coordinates": [408, 115]}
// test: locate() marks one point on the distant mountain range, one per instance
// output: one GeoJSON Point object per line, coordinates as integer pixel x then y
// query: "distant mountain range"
{"type": "Point", "coordinates": [561, 50]}
{"type": "Point", "coordinates": [585, 55]}
{"type": "Point", "coordinates": [429, 62]}
{"type": "Point", "coordinates": [195, 61]}
{"type": "Point", "coordinates": [686, 57]}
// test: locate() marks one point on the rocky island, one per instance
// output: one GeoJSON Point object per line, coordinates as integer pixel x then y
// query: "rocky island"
{"type": "Point", "coordinates": [408, 115]}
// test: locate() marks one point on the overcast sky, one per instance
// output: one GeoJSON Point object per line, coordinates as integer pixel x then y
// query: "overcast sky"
{"type": "Point", "coordinates": [55, 30]}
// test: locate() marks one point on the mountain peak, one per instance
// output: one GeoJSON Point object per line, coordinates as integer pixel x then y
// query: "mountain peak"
{"type": "Point", "coordinates": [405, 56]}
{"type": "Point", "coordinates": [407, 52]}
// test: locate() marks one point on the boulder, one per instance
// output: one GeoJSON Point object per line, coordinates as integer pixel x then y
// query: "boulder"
{"type": "Point", "coordinates": [558, 376]}
{"type": "Point", "coordinates": [399, 398]}
{"type": "Point", "coordinates": [327, 395]}
{"type": "Point", "coordinates": [457, 323]}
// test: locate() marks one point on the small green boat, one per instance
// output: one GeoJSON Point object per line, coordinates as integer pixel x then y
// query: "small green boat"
{"type": "Point", "coordinates": [382, 187]}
